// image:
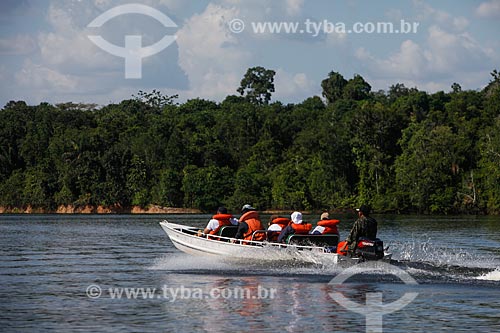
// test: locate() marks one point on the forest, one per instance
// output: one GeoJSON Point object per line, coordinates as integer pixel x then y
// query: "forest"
{"type": "Point", "coordinates": [402, 150]}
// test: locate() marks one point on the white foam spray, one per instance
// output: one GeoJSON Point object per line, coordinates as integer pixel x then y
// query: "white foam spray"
{"type": "Point", "coordinates": [491, 276]}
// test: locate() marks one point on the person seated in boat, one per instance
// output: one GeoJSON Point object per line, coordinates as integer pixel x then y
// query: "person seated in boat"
{"type": "Point", "coordinates": [326, 226]}
{"type": "Point", "coordinates": [222, 218]}
{"type": "Point", "coordinates": [364, 227]}
{"type": "Point", "coordinates": [297, 226]}
{"type": "Point", "coordinates": [249, 223]}
{"type": "Point", "coordinates": [276, 224]}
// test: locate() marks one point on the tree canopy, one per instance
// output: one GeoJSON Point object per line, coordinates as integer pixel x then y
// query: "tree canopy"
{"type": "Point", "coordinates": [257, 85]}
{"type": "Point", "coordinates": [405, 150]}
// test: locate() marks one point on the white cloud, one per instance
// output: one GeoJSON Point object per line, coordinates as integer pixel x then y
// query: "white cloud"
{"type": "Point", "coordinates": [17, 45]}
{"type": "Point", "coordinates": [74, 52]}
{"type": "Point", "coordinates": [294, 7]}
{"type": "Point", "coordinates": [378, 83]}
{"type": "Point", "coordinates": [408, 62]}
{"type": "Point", "coordinates": [439, 17]}
{"type": "Point", "coordinates": [460, 23]}
{"type": "Point", "coordinates": [335, 38]}
{"type": "Point", "coordinates": [444, 56]}
{"type": "Point", "coordinates": [210, 55]}
{"type": "Point", "coordinates": [60, 19]}
{"type": "Point", "coordinates": [292, 87]}
{"type": "Point", "coordinates": [68, 46]}
{"type": "Point", "coordinates": [43, 78]}
{"type": "Point", "coordinates": [262, 10]}
{"type": "Point", "coordinates": [448, 52]}
{"type": "Point", "coordinates": [489, 9]}
{"type": "Point", "coordinates": [215, 60]}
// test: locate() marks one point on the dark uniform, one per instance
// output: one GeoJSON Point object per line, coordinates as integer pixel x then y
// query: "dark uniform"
{"type": "Point", "coordinates": [366, 227]}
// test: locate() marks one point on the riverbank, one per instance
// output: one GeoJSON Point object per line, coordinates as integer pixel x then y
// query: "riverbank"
{"type": "Point", "coordinates": [89, 209]}
{"type": "Point", "coordinates": [152, 209]}
{"type": "Point", "coordinates": [156, 209]}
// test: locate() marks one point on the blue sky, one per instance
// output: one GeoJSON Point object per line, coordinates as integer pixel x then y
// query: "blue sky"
{"type": "Point", "coordinates": [46, 54]}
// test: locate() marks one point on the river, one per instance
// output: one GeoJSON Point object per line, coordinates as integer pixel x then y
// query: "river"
{"type": "Point", "coordinates": [121, 273]}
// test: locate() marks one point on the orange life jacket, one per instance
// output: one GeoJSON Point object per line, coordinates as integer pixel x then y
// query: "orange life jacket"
{"type": "Point", "coordinates": [340, 245]}
{"type": "Point", "coordinates": [281, 221]}
{"type": "Point", "coordinates": [224, 219]}
{"type": "Point", "coordinates": [330, 226]}
{"type": "Point", "coordinates": [252, 219]}
{"type": "Point", "coordinates": [301, 229]}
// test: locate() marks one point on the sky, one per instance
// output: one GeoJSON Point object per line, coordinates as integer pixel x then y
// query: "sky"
{"type": "Point", "coordinates": [47, 56]}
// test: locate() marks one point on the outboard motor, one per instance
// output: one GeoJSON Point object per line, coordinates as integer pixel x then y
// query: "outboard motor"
{"type": "Point", "coordinates": [370, 249]}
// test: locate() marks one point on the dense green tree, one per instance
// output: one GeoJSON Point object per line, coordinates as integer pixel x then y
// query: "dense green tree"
{"type": "Point", "coordinates": [290, 190]}
{"type": "Point", "coordinates": [13, 120]}
{"type": "Point", "coordinates": [251, 185]}
{"type": "Point", "coordinates": [428, 170]}
{"type": "Point", "coordinates": [375, 131]}
{"type": "Point", "coordinates": [35, 191]}
{"type": "Point", "coordinates": [357, 88]}
{"type": "Point", "coordinates": [137, 182]}
{"type": "Point", "coordinates": [396, 91]}
{"type": "Point", "coordinates": [333, 87]}
{"type": "Point", "coordinates": [489, 168]}
{"type": "Point", "coordinates": [206, 188]}
{"type": "Point", "coordinates": [257, 85]}
{"type": "Point", "coordinates": [11, 193]}
{"type": "Point", "coordinates": [167, 190]}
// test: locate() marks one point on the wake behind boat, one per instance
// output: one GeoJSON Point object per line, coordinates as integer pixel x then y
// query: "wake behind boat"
{"type": "Point", "coordinates": [307, 248]}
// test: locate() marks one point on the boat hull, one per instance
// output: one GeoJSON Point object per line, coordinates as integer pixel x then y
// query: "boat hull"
{"type": "Point", "coordinates": [185, 239]}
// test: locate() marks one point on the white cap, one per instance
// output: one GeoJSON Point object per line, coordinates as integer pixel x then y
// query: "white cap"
{"type": "Point", "coordinates": [247, 208]}
{"type": "Point", "coordinates": [296, 217]}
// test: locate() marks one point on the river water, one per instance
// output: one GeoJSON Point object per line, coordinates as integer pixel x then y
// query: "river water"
{"type": "Point", "coordinates": [65, 273]}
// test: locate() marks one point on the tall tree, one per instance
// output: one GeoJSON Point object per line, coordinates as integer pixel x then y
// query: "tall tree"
{"type": "Point", "coordinates": [357, 88]}
{"type": "Point", "coordinates": [257, 85]}
{"type": "Point", "coordinates": [333, 87]}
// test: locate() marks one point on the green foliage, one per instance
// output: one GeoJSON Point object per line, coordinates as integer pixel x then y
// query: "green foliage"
{"type": "Point", "coordinates": [403, 150]}
{"type": "Point", "coordinates": [11, 190]}
{"type": "Point", "coordinates": [155, 98]}
{"type": "Point", "coordinates": [137, 182]}
{"type": "Point", "coordinates": [206, 188]}
{"type": "Point", "coordinates": [333, 87]}
{"type": "Point", "coordinates": [251, 185]}
{"type": "Point", "coordinates": [357, 89]}
{"type": "Point", "coordinates": [428, 169]}
{"type": "Point", "coordinates": [167, 191]}
{"type": "Point", "coordinates": [489, 166]}
{"type": "Point", "coordinates": [257, 85]}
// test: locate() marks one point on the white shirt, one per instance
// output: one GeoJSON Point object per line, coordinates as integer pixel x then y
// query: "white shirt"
{"type": "Point", "coordinates": [318, 228]}
{"type": "Point", "coordinates": [274, 227]}
{"type": "Point", "coordinates": [214, 224]}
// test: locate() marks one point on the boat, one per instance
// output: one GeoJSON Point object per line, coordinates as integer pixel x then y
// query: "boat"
{"type": "Point", "coordinates": [307, 248]}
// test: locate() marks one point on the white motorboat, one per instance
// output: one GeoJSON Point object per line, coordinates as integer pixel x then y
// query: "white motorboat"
{"type": "Point", "coordinates": [319, 249]}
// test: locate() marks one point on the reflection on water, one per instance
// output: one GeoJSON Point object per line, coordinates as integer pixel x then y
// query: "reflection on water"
{"type": "Point", "coordinates": [48, 261]}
